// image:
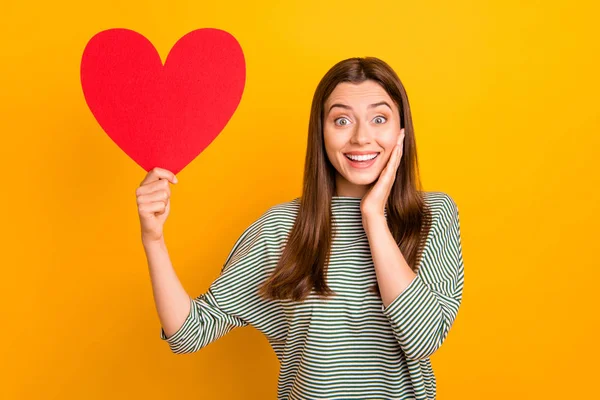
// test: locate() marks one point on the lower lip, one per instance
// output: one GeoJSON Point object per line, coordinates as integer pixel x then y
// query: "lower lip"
{"type": "Point", "coordinates": [361, 164]}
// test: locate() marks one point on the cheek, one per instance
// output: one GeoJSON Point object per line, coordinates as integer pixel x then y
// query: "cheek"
{"type": "Point", "coordinates": [330, 152]}
{"type": "Point", "coordinates": [389, 141]}
{"type": "Point", "coordinates": [332, 146]}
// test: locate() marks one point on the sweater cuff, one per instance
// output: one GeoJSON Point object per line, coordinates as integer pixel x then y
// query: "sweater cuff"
{"type": "Point", "coordinates": [185, 328]}
{"type": "Point", "coordinates": [411, 297]}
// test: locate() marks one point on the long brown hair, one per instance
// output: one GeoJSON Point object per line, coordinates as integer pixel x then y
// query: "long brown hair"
{"type": "Point", "coordinates": [303, 263]}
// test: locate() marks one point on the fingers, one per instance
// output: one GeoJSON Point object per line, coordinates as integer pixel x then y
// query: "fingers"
{"type": "Point", "coordinates": [401, 136]}
{"type": "Point", "coordinates": [159, 173]}
{"type": "Point", "coordinates": [158, 185]}
{"type": "Point", "coordinates": [396, 157]}
{"type": "Point", "coordinates": [157, 179]}
{"type": "Point", "coordinates": [389, 171]}
{"type": "Point", "coordinates": [151, 208]}
{"type": "Point", "coordinates": [158, 196]}
{"type": "Point", "coordinates": [400, 148]}
{"type": "Point", "coordinates": [154, 192]}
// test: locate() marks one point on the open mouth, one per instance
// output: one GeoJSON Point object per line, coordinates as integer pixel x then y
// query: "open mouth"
{"type": "Point", "coordinates": [362, 161]}
{"type": "Point", "coordinates": [365, 158]}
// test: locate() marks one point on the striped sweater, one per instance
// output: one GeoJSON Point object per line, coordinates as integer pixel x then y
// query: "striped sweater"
{"type": "Point", "coordinates": [349, 346]}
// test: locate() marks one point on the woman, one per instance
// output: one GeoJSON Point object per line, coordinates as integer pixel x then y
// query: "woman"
{"type": "Point", "coordinates": [357, 282]}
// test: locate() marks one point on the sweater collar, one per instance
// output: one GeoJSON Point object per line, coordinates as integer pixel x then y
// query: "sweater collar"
{"type": "Point", "coordinates": [346, 206]}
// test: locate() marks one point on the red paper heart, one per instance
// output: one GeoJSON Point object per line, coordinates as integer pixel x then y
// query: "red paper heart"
{"type": "Point", "coordinates": [163, 116]}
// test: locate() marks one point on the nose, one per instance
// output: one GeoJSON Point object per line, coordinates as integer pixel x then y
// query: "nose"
{"type": "Point", "coordinates": [361, 134]}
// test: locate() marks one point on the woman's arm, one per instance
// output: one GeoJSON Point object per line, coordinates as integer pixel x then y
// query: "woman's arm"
{"type": "Point", "coordinates": [190, 324]}
{"type": "Point", "coordinates": [171, 300]}
{"type": "Point", "coordinates": [426, 304]}
{"type": "Point", "coordinates": [393, 272]}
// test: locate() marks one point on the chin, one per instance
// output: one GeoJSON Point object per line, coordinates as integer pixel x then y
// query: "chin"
{"type": "Point", "coordinates": [361, 181]}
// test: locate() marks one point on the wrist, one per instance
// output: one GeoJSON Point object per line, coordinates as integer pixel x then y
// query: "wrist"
{"type": "Point", "coordinates": [373, 216]}
{"type": "Point", "coordinates": [373, 221]}
{"type": "Point", "coordinates": [149, 243]}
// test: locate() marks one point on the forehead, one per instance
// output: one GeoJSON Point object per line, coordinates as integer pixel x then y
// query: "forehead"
{"type": "Point", "coordinates": [366, 92]}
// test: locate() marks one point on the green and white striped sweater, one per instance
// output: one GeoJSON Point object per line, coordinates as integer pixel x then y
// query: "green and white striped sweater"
{"type": "Point", "coordinates": [349, 346]}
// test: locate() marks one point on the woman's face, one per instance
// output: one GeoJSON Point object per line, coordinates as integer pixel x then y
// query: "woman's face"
{"type": "Point", "coordinates": [360, 121]}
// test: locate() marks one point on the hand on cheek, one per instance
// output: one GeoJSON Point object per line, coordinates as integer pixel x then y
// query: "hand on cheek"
{"type": "Point", "coordinates": [373, 203]}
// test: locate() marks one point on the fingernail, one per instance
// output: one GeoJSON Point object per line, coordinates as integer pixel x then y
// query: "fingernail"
{"type": "Point", "coordinates": [175, 179]}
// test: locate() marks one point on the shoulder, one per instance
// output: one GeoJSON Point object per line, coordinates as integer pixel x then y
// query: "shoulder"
{"type": "Point", "coordinates": [441, 201]}
{"type": "Point", "coordinates": [282, 211]}
{"type": "Point", "coordinates": [262, 236]}
{"type": "Point", "coordinates": [276, 218]}
{"type": "Point", "coordinates": [443, 208]}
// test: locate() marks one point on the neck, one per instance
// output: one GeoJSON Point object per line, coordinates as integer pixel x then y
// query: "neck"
{"type": "Point", "coordinates": [343, 188]}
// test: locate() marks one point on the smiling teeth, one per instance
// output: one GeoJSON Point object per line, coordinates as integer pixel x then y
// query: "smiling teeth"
{"type": "Point", "coordinates": [362, 158]}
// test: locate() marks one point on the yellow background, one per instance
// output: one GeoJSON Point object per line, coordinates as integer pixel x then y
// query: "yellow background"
{"type": "Point", "coordinates": [505, 104]}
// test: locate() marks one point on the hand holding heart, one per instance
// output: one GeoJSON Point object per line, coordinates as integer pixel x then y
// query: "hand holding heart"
{"type": "Point", "coordinates": [153, 202]}
{"type": "Point", "coordinates": [162, 115]}
{"type": "Point", "coordinates": [375, 200]}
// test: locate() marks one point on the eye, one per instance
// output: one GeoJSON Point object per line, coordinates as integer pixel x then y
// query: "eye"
{"type": "Point", "coordinates": [341, 118]}
{"type": "Point", "coordinates": [380, 117]}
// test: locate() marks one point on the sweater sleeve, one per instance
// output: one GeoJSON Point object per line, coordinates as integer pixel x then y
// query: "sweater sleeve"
{"type": "Point", "coordinates": [422, 315]}
{"type": "Point", "coordinates": [229, 301]}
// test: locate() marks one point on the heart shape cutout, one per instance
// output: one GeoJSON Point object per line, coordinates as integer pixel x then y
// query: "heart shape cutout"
{"type": "Point", "coordinates": [163, 115]}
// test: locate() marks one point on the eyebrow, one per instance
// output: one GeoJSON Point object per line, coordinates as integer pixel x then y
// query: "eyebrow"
{"type": "Point", "coordinates": [381, 103]}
